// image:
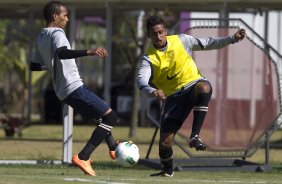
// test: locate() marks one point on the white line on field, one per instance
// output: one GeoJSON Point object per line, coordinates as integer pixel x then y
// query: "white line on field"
{"type": "Point", "coordinates": [204, 181]}
{"type": "Point", "coordinates": [107, 180]}
{"type": "Point", "coordinates": [92, 181]}
{"type": "Point", "coordinates": [160, 180]}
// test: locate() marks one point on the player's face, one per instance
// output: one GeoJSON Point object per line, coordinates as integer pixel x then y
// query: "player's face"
{"type": "Point", "coordinates": [158, 34]}
{"type": "Point", "coordinates": [61, 20]}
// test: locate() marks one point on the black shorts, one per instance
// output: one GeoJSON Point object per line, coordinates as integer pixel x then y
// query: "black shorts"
{"type": "Point", "coordinates": [177, 108]}
{"type": "Point", "coordinates": [87, 103]}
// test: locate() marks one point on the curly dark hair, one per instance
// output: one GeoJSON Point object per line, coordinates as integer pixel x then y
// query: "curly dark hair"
{"type": "Point", "coordinates": [51, 8]}
{"type": "Point", "coordinates": [154, 20]}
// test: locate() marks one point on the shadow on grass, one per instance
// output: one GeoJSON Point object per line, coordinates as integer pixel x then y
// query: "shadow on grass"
{"type": "Point", "coordinates": [277, 168]}
{"type": "Point", "coordinates": [104, 165]}
{"type": "Point", "coordinates": [276, 144]}
{"type": "Point", "coordinates": [114, 165]}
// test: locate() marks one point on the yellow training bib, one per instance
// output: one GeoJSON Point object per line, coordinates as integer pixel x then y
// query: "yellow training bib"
{"type": "Point", "coordinates": [173, 68]}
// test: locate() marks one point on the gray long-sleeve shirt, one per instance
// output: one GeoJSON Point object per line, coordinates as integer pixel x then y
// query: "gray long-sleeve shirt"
{"type": "Point", "coordinates": [64, 72]}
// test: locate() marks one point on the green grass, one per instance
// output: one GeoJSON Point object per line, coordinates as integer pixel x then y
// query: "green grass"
{"type": "Point", "coordinates": [109, 173]}
{"type": "Point", "coordinates": [44, 142]}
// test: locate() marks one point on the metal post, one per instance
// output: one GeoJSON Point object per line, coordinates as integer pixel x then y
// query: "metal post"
{"type": "Point", "coordinates": [68, 127]}
{"type": "Point", "coordinates": [108, 62]}
{"type": "Point", "coordinates": [267, 145]}
{"type": "Point", "coordinates": [221, 83]}
{"type": "Point", "coordinates": [253, 83]}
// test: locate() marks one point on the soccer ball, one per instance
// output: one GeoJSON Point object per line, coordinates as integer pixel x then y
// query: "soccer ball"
{"type": "Point", "coordinates": [127, 153]}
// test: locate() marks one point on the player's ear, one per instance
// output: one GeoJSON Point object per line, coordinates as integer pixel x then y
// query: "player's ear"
{"type": "Point", "coordinates": [54, 16]}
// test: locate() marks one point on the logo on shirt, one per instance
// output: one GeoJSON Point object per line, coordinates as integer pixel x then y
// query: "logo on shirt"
{"type": "Point", "coordinates": [171, 77]}
{"type": "Point", "coordinates": [172, 66]}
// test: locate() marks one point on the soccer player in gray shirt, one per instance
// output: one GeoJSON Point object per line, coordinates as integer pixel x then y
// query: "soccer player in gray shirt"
{"type": "Point", "coordinates": [53, 51]}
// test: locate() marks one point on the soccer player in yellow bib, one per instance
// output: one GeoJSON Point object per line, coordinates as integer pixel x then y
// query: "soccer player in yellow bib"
{"type": "Point", "coordinates": [168, 72]}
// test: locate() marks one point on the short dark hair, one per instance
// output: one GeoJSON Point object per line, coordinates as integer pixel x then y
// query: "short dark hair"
{"type": "Point", "coordinates": [154, 20]}
{"type": "Point", "coordinates": [51, 8]}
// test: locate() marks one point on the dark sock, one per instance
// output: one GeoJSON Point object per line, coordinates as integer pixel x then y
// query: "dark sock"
{"type": "Point", "coordinates": [109, 138]}
{"type": "Point", "coordinates": [98, 135]}
{"type": "Point", "coordinates": [85, 153]}
{"type": "Point", "coordinates": [200, 111]}
{"type": "Point", "coordinates": [199, 117]}
{"type": "Point", "coordinates": [166, 159]}
{"type": "Point", "coordinates": [167, 164]}
{"type": "Point", "coordinates": [111, 142]}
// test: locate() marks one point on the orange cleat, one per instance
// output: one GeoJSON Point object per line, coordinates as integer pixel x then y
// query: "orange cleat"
{"type": "Point", "coordinates": [113, 153]}
{"type": "Point", "coordinates": [85, 166]}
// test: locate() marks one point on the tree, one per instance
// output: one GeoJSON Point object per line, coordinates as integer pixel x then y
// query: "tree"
{"type": "Point", "coordinates": [14, 60]}
{"type": "Point", "coordinates": [130, 47]}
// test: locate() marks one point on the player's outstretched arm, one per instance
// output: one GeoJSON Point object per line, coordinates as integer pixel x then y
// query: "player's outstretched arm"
{"type": "Point", "coordinates": [100, 51]}
{"type": "Point", "coordinates": [64, 53]}
{"type": "Point", "coordinates": [239, 35]}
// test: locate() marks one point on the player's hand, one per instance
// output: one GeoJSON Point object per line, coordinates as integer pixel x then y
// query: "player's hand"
{"type": "Point", "coordinates": [239, 35]}
{"type": "Point", "coordinates": [159, 94]}
{"type": "Point", "coordinates": [100, 51]}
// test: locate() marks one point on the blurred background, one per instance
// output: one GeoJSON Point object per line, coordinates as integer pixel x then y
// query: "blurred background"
{"type": "Point", "coordinates": [27, 97]}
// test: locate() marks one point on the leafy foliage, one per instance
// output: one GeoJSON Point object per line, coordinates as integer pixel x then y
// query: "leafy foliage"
{"type": "Point", "coordinates": [15, 51]}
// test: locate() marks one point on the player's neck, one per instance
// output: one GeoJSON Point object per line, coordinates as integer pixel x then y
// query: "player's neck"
{"type": "Point", "coordinates": [52, 25]}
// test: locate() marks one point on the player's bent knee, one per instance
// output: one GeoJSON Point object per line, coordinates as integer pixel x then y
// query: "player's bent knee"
{"type": "Point", "coordinates": [210, 90]}
{"type": "Point", "coordinates": [204, 87]}
{"type": "Point", "coordinates": [110, 118]}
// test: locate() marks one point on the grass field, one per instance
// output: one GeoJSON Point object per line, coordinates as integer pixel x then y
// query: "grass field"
{"type": "Point", "coordinates": [44, 143]}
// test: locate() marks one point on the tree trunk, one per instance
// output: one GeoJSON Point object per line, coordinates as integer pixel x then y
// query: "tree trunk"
{"type": "Point", "coordinates": [139, 40]}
